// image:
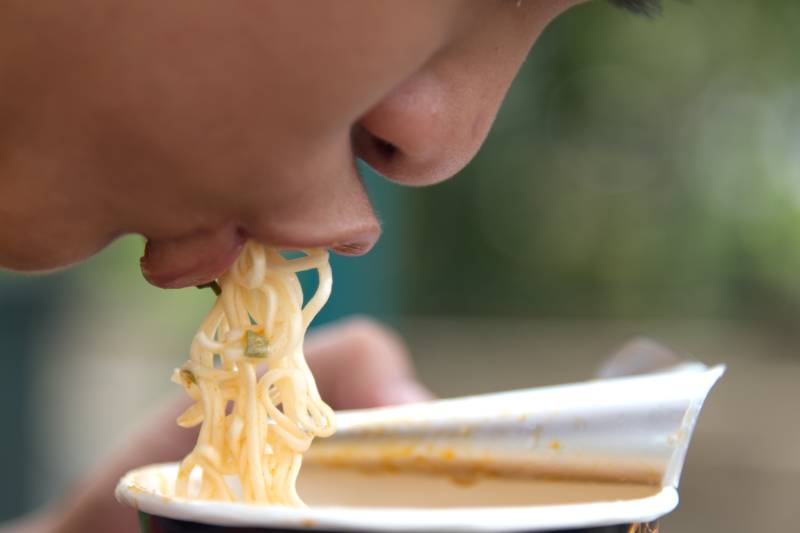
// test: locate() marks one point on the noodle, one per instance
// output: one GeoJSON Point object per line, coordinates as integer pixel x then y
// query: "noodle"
{"type": "Point", "coordinates": [256, 428]}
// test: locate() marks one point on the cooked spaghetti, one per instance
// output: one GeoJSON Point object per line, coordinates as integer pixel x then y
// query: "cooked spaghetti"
{"type": "Point", "coordinates": [255, 428]}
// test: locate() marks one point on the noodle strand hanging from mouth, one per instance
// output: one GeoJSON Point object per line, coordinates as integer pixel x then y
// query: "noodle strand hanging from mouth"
{"type": "Point", "coordinates": [256, 428]}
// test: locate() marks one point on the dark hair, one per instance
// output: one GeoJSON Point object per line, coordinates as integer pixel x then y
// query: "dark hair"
{"type": "Point", "coordinates": [640, 7]}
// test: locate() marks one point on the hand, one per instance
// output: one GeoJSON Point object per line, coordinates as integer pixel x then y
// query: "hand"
{"type": "Point", "coordinates": [356, 363]}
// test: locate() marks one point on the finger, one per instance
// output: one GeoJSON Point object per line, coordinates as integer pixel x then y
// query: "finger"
{"type": "Point", "coordinates": [360, 363]}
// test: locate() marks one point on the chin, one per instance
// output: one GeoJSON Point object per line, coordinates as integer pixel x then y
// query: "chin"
{"type": "Point", "coordinates": [44, 258]}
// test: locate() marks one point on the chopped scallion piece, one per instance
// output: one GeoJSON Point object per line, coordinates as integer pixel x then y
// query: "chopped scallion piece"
{"type": "Point", "coordinates": [188, 377]}
{"type": "Point", "coordinates": [257, 345]}
{"type": "Point", "coordinates": [213, 285]}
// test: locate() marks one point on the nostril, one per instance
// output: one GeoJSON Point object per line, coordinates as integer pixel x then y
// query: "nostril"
{"type": "Point", "coordinates": [386, 149]}
{"type": "Point", "coordinates": [375, 150]}
{"type": "Point", "coordinates": [351, 248]}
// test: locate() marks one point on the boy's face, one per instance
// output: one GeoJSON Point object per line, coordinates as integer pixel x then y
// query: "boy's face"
{"type": "Point", "coordinates": [202, 123]}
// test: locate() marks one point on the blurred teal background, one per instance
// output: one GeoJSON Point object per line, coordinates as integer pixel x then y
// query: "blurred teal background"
{"type": "Point", "coordinates": [643, 176]}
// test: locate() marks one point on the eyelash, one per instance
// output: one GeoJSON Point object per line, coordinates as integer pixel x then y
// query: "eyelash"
{"type": "Point", "coordinates": [648, 8]}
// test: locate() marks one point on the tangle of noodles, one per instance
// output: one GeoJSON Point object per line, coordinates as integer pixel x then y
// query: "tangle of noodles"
{"type": "Point", "coordinates": [256, 428]}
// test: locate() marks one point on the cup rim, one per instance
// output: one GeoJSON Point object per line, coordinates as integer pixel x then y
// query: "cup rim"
{"type": "Point", "coordinates": [134, 493]}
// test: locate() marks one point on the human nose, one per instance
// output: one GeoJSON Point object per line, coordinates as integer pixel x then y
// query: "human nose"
{"type": "Point", "coordinates": [432, 124]}
{"type": "Point", "coordinates": [424, 131]}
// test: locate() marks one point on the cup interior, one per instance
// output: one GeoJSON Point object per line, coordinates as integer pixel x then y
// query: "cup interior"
{"type": "Point", "coordinates": [374, 500]}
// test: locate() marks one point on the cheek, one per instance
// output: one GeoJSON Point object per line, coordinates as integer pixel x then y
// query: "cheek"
{"type": "Point", "coordinates": [221, 71]}
{"type": "Point", "coordinates": [208, 94]}
{"type": "Point", "coordinates": [204, 100]}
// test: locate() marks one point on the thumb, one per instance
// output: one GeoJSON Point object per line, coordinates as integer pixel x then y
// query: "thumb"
{"type": "Point", "coordinates": [360, 363]}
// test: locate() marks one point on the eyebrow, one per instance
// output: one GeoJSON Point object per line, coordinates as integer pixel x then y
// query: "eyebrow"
{"type": "Point", "coordinates": [648, 8]}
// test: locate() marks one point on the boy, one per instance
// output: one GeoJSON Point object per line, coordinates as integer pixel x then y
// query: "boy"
{"type": "Point", "coordinates": [201, 124]}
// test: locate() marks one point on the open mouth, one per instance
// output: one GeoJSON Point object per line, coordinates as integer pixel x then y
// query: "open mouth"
{"type": "Point", "coordinates": [203, 256]}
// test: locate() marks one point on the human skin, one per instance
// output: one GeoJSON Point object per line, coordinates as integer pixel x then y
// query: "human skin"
{"type": "Point", "coordinates": [199, 124]}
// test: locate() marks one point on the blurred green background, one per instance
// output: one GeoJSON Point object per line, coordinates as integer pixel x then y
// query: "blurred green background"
{"type": "Point", "coordinates": [643, 176]}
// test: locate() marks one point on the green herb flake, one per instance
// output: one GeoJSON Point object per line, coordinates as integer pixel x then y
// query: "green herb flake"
{"type": "Point", "coordinates": [213, 285]}
{"type": "Point", "coordinates": [257, 345]}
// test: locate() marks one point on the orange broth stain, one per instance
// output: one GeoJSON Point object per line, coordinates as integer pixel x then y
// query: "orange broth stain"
{"type": "Point", "coordinates": [448, 454]}
{"type": "Point", "coordinates": [463, 481]}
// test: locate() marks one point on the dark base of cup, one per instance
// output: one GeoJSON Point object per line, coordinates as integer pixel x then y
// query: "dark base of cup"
{"type": "Point", "coordinates": [158, 524]}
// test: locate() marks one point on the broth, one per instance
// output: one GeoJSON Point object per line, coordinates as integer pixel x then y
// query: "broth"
{"type": "Point", "coordinates": [320, 485]}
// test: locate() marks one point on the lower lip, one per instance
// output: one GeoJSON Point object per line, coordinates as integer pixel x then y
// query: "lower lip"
{"type": "Point", "coordinates": [192, 260]}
